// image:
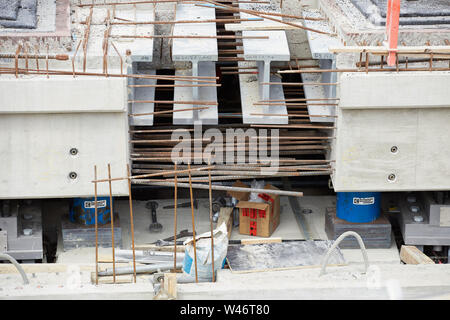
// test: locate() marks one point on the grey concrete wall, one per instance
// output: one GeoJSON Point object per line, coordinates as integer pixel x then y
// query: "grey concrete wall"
{"type": "Point", "coordinates": [378, 112]}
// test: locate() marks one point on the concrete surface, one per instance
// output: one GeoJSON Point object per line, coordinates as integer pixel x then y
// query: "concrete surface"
{"type": "Point", "coordinates": [288, 228]}
{"type": "Point", "coordinates": [208, 116]}
{"type": "Point", "coordinates": [34, 17]}
{"type": "Point", "coordinates": [194, 49]}
{"type": "Point", "coordinates": [353, 27]}
{"type": "Point", "coordinates": [9, 9]}
{"type": "Point", "coordinates": [369, 125]}
{"type": "Point", "coordinates": [143, 94]}
{"type": "Point", "coordinates": [40, 127]}
{"type": "Point", "coordinates": [341, 283]}
{"type": "Point", "coordinates": [62, 94]}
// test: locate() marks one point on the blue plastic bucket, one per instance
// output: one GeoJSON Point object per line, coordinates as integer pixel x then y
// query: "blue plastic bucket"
{"type": "Point", "coordinates": [358, 207]}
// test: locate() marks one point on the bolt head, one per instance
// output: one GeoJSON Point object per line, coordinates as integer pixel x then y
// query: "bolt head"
{"type": "Point", "coordinates": [27, 232]}
{"type": "Point", "coordinates": [73, 151]}
{"type": "Point", "coordinates": [414, 209]}
{"type": "Point", "coordinates": [73, 175]}
{"type": "Point", "coordinates": [418, 218]}
{"type": "Point", "coordinates": [411, 199]}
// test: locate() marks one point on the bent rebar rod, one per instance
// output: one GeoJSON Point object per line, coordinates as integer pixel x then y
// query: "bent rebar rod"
{"type": "Point", "coordinates": [17, 265]}
{"type": "Point", "coordinates": [336, 243]}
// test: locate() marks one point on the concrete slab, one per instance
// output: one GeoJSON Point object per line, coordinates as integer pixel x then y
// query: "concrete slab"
{"type": "Point", "coordinates": [125, 37]}
{"type": "Point", "coordinates": [62, 94]}
{"type": "Point", "coordinates": [275, 48]}
{"type": "Point", "coordinates": [28, 4]}
{"type": "Point", "coordinates": [144, 94]}
{"type": "Point", "coordinates": [250, 94]}
{"type": "Point", "coordinates": [354, 28]}
{"type": "Point", "coordinates": [194, 49]}
{"type": "Point", "coordinates": [264, 51]}
{"type": "Point", "coordinates": [403, 89]}
{"type": "Point", "coordinates": [38, 162]}
{"type": "Point", "coordinates": [320, 43]}
{"type": "Point", "coordinates": [205, 116]}
{"type": "Point", "coordinates": [199, 52]}
{"type": "Point", "coordinates": [419, 12]}
{"type": "Point", "coordinates": [40, 128]}
{"type": "Point", "coordinates": [72, 282]}
{"type": "Point", "coordinates": [45, 19]}
{"type": "Point", "coordinates": [369, 127]}
{"type": "Point", "coordinates": [343, 283]}
{"type": "Point", "coordinates": [317, 92]}
{"type": "Point", "coordinates": [26, 19]}
{"type": "Point", "coordinates": [9, 9]}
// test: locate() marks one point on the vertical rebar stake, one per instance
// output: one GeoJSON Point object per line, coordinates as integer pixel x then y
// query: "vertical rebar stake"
{"type": "Point", "coordinates": [131, 221]}
{"type": "Point", "coordinates": [46, 62]}
{"type": "Point", "coordinates": [210, 220]}
{"type": "Point", "coordinates": [36, 49]}
{"type": "Point", "coordinates": [19, 48]}
{"type": "Point", "coordinates": [193, 222]}
{"type": "Point", "coordinates": [175, 220]}
{"type": "Point", "coordinates": [112, 222]}
{"type": "Point", "coordinates": [96, 225]}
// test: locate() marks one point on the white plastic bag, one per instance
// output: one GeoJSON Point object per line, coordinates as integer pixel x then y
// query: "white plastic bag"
{"type": "Point", "coordinates": [204, 254]}
{"type": "Point", "coordinates": [256, 184]}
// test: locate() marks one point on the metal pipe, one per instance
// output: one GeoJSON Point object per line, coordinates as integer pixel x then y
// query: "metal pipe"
{"type": "Point", "coordinates": [140, 269]}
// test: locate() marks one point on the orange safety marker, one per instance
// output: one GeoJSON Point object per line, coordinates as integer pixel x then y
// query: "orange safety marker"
{"type": "Point", "coordinates": [392, 26]}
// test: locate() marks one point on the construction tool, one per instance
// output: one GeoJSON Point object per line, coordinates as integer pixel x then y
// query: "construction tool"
{"type": "Point", "coordinates": [155, 226]}
{"type": "Point", "coordinates": [218, 203]}
{"type": "Point", "coordinates": [183, 234]}
{"type": "Point", "coordinates": [183, 205]}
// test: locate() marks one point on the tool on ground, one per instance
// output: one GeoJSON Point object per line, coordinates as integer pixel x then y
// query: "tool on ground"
{"type": "Point", "coordinates": [218, 203]}
{"type": "Point", "coordinates": [155, 226]}
{"type": "Point", "coordinates": [183, 234]}
{"type": "Point", "coordinates": [183, 205]}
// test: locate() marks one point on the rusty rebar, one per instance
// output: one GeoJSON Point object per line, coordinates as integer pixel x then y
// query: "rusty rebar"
{"type": "Point", "coordinates": [112, 222]}
{"type": "Point", "coordinates": [131, 222]}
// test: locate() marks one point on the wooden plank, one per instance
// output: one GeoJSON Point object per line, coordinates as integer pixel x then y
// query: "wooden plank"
{"type": "Point", "coordinates": [259, 241]}
{"type": "Point", "coordinates": [226, 216]}
{"type": "Point", "coordinates": [170, 284]}
{"type": "Point", "coordinates": [108, 259]}
{"type": "Point", "coordinates": [412, 255]}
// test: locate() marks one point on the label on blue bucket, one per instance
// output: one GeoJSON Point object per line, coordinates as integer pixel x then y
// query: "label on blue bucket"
{"type": "Point", "coordinates": [364, 201]}
{"type": "Point", "coordinates": [91, 204]}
